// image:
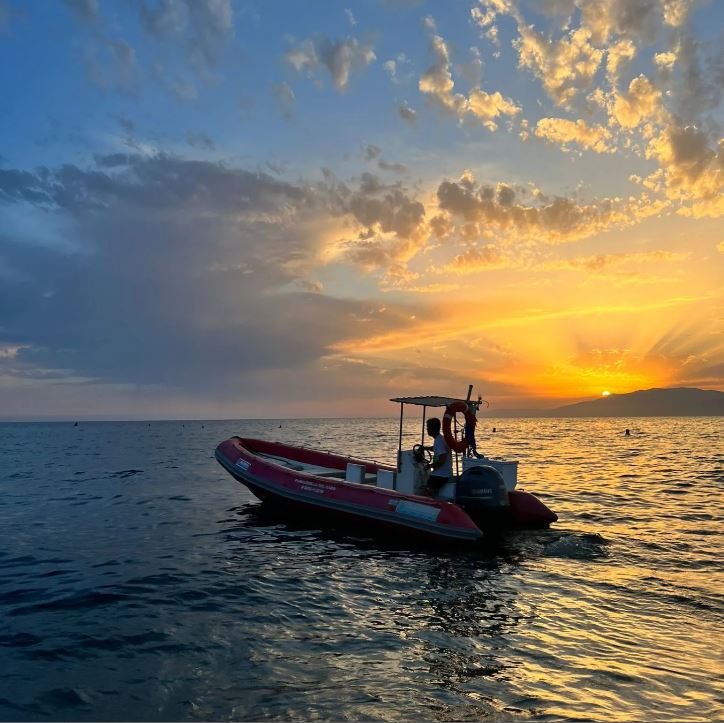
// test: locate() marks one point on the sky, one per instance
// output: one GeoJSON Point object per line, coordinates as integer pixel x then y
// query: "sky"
{"type": "Point", "coordinates": [221, 208]}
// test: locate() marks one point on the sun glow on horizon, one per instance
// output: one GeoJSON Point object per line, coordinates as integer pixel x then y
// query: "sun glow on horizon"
{"type": "Point", "coordinates": [406, 222]}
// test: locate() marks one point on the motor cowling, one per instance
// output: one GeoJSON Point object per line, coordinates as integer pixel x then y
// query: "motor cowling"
{"type": "Point", "coordinates": [481, 493]}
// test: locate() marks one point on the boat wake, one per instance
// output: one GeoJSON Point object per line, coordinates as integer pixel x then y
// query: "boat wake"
{"type": "Point", "coordinates": [575, 546]}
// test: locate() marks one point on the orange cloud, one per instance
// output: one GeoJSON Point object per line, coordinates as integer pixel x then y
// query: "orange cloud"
{"type": "Point", "coordinates": [560, 220]}
{"type": "Point", "coordinates": [556, 351]}
{"type": "Point", "coordinates": [459, 322]}
{"type": "Point", "coordinates": [642, 102]}
{"type": "Point", "coordinates": [563, 131]}
{"type": "Point", "coordinates": [691, 170]}
{"type": "Point", "coordinates": [437, 82]}
{"type": "Point", "coordinates": [473, 260]}
{"type": "Point", "coordinates": [619, 54]}
{"type": "Point", "coordinates": [601, 262]}
{"type": "Point", "coordinates": [564, 67]}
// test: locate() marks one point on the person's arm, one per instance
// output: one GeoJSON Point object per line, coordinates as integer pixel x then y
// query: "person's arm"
{"type": "Point", "coordinates": [438, 462]}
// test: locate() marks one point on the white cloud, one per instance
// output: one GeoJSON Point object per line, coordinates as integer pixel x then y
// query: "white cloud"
{"type": "Point", "coordinates": [112, 65]}
{"type": "Point", "coordinates": [437, 82]}
{"type": "Point", "coordinates": [285, 95]}
{"type": "Point", "coordinates": [339, 57]}
{"type": "Point", "coordinates": [200, 140]}
{"type": "Point", "coordinates": [204, 26]}
{"type": "Point", "coordinates": [472, 71]}
{"type": "Point", "coordinates": [409, 115]}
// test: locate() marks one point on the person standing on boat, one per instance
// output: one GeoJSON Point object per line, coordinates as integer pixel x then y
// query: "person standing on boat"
{"type": "Point", "coordinates": [441, 466]}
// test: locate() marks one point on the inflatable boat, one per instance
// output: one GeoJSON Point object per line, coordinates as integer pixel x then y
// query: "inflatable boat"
{"type": "Point", "coordinates": [482, 496]}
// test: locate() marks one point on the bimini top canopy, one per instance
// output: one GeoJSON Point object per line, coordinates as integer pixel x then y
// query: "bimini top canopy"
{"type": "Point", "coordinates": [429, 401]}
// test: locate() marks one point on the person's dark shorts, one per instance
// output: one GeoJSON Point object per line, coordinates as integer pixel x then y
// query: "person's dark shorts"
{"type": "Point", "coordinates": [436, 482]}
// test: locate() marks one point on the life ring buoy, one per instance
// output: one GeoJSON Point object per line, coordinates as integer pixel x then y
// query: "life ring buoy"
{"type": "Point", "coordinates": [457, 445]}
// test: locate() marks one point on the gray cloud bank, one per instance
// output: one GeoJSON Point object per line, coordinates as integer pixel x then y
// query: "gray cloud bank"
{"type": "Point", "coordinates": [164, 271]}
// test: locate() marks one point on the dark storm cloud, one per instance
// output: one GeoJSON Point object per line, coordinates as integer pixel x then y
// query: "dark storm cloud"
{"type": "Point", "coordinates": [184, 273]}
{"type": "Point", "coordinates": [156, 182]}
{"type": "Point", "coordinates": [700, 87]}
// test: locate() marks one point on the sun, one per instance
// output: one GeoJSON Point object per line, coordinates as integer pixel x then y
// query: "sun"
{"type": "Point", "coordinates": [606, 394]}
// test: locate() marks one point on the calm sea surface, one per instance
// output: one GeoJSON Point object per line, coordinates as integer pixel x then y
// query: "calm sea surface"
{"type": "Point", "coordinates": [139, 581]}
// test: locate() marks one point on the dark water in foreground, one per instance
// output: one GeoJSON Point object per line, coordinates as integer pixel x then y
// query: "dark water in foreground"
{"type": "Point", "coordinates": [139, 581]}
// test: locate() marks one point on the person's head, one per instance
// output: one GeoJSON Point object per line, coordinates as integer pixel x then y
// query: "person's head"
{"type": "Point", "coordinates": [433, 426]}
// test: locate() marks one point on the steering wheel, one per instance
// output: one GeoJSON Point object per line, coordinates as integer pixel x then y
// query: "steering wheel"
{"type": "Point", "coordinates": [422, 454]}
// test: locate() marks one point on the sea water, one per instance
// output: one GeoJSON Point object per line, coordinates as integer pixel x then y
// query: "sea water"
{"type": "Point", "coordinates": [139, 581]}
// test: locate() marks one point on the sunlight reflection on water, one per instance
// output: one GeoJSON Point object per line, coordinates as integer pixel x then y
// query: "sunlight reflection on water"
{"type": "Point", "coordinates": [138, 580]}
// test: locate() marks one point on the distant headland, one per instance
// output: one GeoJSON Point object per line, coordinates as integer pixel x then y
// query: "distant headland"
{"type": "Point", "coordinates": [676, 402]}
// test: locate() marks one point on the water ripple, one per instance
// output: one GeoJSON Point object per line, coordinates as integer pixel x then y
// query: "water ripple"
{"type": "Point", "coordinates": [138, 580]}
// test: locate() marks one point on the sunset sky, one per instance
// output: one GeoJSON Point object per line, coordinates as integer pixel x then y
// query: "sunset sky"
{"type": "Point", "coordinates": [220, 208]}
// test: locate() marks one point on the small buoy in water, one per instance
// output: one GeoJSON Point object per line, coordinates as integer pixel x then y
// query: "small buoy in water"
{"type": "Point", "coordinates": [76, 424]}
{"type": "Point", "coordinates": [280, 426]}
{"type": "Point", "coordinates": [494, 429]}
{"type": "Point", "coordinates": [628, 433]}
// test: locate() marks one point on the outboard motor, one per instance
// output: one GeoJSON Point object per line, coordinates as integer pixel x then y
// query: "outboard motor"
{"type": "Point", "coordinates": [481, 493]}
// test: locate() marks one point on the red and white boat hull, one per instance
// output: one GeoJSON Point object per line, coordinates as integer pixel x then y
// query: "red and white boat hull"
{"type": "Point", "coordinates": [306, 481]}
{"type": "Point", "coordinates": [272, 481]}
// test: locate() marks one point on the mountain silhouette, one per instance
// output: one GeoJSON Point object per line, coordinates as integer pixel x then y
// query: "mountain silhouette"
{"type": "Point", "coordinates": [677, 402]}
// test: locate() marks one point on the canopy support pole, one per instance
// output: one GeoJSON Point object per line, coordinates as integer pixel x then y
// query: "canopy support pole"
{"type": "Point", "coordinates": [422, 436]}
{"type": "Point", "coordinates": [399, 445]}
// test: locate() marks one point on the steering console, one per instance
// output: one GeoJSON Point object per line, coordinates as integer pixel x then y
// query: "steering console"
{"type": "Point", "coordinates": [422, 454]}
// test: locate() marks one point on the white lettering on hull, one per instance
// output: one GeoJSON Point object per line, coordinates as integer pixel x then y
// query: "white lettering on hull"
{"type": "Point", "coordinates": [316, 487]}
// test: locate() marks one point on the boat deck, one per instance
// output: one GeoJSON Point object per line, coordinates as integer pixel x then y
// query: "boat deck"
{"type": "Point", "coordinates": [315, 469]}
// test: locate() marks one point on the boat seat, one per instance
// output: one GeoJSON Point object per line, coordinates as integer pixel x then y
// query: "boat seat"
{"type": "Point", "coordinates": [336, 473]}
{"type": "Point", "coordinates": [302, 467]}
{"type": "Point", "coordinates": [296, 466]}
{"type": "Point", "coordinates": [291, 465]}
{"type": "Point", "coordinates": [317, 470]}
{"type": "Point", "coordinates": [370, 479]}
